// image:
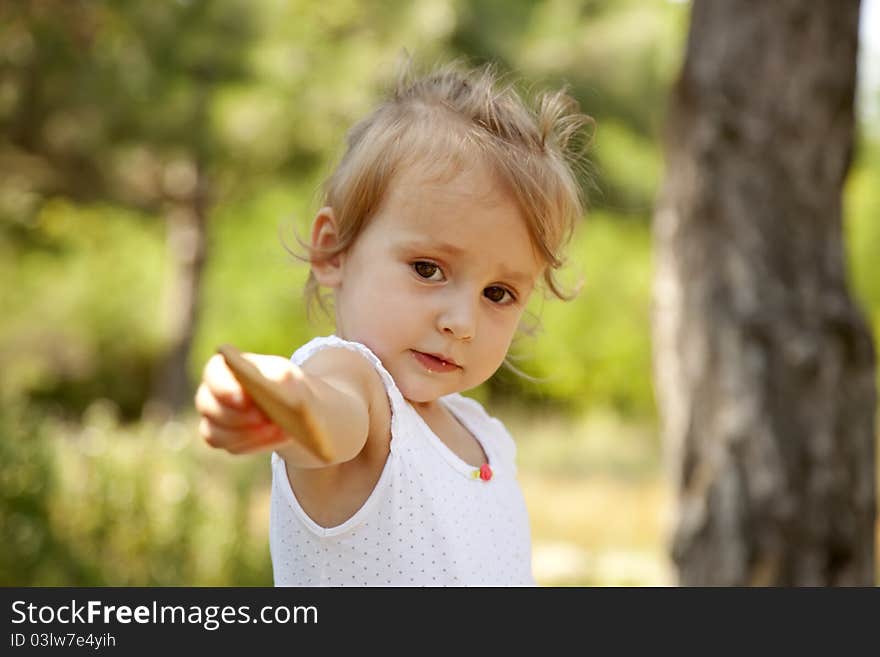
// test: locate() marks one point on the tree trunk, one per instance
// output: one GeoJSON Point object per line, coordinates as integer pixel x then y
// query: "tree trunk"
{"type": "Point", "coordinates": [187, 244]}
{"type": "Point", "coordinates": [764, 365]}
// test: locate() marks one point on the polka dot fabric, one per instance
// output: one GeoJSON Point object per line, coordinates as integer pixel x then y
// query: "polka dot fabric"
{"type": "Point", "coordinates": [428, 521]}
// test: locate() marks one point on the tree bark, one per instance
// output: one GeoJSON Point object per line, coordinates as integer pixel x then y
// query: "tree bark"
{"type": "Point", "coordinates": [186, 184]}
{"type": "Point", "coordinates": [187, 248]}
{"type": "Point", "coordinates": [764, 365]}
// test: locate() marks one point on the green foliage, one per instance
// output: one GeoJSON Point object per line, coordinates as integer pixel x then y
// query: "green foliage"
{"type": "Point", "coordinates": [100, 96]}
{"type": "Point", "coordinates": [26, 485]}
{"type": "Point", "coordinates": [81, 310]}
{"type": "Point", "coordinates": [618, 59]}
{"type": "Point", "coordinates": [862, 232]}
{"type": "Point", "coordinates": [862, 208]}
{"type": "Point", "coordinates": [253, 286]}
{"type": "Point", "coordinates": [101, 503]}
{"type": "Point", "coordinates": [595, 350]}
{"type": "Point", "coordinates": [629, 169]}
{"type": "Point", "coordinates": [104, 504]}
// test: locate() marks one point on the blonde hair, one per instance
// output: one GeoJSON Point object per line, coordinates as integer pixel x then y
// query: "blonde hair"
{"type": "Point", "coordinates": [446, 119]}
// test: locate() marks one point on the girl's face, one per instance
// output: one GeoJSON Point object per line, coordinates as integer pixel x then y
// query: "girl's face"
{"type": "Point", "coordinates": [436, 283]}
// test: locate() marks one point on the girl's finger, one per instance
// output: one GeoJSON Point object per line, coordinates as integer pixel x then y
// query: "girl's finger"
{"type": "Point", "coordinates": [239, 441]}
{"type": "Point", "coordinates": [260, 441]}
{"type": "Point", "coordinates": [227, 416]}
{"type": "Point", "coordinates": [223, 384]}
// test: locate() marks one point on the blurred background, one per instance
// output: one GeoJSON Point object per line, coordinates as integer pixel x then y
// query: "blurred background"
{"type": "Point", "coordinates": [155, 157]}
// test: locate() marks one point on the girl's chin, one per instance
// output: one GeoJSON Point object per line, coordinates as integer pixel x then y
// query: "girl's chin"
{"type": "Point", "coordinates": [421, 399]}
{"type": "Point", "coordinates": [421, 394]}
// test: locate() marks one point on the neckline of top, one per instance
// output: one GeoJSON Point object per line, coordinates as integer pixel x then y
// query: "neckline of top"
{"type": "Point", "coordinates": [395, 396]}
{"type": "Point", "coordinates": [459, 464]}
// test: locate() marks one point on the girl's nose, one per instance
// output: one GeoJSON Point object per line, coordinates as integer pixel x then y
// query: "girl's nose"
{"type": "Point", "coordinates": [458, 319]}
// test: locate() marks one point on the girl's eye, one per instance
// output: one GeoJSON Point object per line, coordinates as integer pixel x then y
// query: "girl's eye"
{"type": "Point", "coordinates": [497, 294]}
{"type": "Point", "coordinates": [428, 270]}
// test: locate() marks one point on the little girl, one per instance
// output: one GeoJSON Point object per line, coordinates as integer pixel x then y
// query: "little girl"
{"type": "Point", "coordinates": [451, 205]}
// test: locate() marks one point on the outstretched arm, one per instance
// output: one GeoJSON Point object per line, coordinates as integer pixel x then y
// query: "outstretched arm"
{"type": "Point", "coordinates": [315, 416]}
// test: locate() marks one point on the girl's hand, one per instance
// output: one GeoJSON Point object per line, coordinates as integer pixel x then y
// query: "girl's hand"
{"type": "Point", "coordinates": [230, 419]}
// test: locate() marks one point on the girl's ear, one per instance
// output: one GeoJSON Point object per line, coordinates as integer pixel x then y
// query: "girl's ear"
{"type": "Point", "coordinates": [325, 237]}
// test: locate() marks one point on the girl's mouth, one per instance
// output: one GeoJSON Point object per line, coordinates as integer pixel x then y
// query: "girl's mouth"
{"type": "Point", "coordinates": [433, 363]}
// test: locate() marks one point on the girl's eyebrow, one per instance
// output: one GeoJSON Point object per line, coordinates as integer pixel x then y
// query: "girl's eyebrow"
{"type": "Point", "coordinates": [432, 245]}
{"type": "Point", "coordinates": [521, 280]}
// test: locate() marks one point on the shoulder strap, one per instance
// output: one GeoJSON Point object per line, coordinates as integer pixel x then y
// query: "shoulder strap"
{"type": "Point", "coordinates": [395, 398]}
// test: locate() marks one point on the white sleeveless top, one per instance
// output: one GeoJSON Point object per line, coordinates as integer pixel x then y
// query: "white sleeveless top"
{"type": "Point", "coordinates": [429, 521]}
